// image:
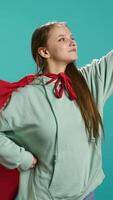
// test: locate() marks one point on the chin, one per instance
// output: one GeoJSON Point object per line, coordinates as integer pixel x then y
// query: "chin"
{"type": "Point", "coordinates": [72, 60]}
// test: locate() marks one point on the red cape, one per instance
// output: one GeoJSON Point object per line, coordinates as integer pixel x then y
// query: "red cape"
{"type": "Point", "coordinates": [9, 179]}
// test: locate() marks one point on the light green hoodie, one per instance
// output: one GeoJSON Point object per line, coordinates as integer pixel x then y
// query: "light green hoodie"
{"type": "Point", "coordinates": [37, 123]}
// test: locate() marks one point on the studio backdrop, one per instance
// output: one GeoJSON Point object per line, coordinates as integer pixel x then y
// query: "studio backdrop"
{"type": "Point", "coordinates": [91, 23]}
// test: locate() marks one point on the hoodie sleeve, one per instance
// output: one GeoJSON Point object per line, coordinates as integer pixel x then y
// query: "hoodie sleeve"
{"type": "Point", "coordinates": [99, 76]}
{"type": "Point", "coordinates": [11, 118]}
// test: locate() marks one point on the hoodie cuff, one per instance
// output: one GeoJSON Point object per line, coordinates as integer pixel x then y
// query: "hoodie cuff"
{"type": "Point", "coordinates": [26, 163]}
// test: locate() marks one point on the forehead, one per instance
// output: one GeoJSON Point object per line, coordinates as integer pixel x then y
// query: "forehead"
{"type": "Point", "coordinates": [59, 30]}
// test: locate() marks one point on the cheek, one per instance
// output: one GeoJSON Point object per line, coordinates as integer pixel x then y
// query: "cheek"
{"type": "Point", "coordinates": [58, 52]}
{"type": "Point", "coordinates": [61, 50]}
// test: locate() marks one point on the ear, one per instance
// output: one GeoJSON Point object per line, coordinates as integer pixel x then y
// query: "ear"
{"type": "Point", "coordinates": [43, 52]}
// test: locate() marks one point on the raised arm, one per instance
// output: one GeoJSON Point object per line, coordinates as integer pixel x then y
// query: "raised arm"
{"type": "Point", "coordinates": [99, 76]}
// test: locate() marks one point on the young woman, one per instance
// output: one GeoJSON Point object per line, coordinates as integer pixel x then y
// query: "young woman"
{"type": "Point", "coordinates": [51, 122]}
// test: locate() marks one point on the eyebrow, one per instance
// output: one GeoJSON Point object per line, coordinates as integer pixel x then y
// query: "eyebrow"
{"type": "Point", "coordinates": [63, 35]}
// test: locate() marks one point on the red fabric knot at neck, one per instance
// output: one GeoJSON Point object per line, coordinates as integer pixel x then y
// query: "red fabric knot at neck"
{"type": "Point", "coordinates": [66, 83]}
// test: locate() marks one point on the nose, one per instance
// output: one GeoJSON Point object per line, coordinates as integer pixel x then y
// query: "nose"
{"type": "Point", "coordinates": [73, 42]}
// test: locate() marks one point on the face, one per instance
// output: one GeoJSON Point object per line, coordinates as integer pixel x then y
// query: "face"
{"type": "Point", "coordinates": [61, 45]}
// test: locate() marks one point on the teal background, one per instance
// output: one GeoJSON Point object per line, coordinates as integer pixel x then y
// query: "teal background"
{"type": "Point", "coordinates": [91, 23]}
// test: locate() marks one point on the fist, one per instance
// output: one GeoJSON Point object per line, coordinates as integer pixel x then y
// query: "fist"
{"type": "Point", "coordinates": [34, 162]}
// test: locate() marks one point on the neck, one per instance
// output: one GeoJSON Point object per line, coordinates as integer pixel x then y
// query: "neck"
{"type": "Point", "coordinates": [55, 68]}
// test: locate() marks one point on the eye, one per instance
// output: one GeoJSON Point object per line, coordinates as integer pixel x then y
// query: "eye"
{"type": "Point", "coordinates": [73, 38]}
{"type": "Point", "coordinates": [62, 39]}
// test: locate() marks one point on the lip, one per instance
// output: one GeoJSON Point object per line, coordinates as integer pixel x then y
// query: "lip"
{"type": "Point", "coordinates": [72, 50]}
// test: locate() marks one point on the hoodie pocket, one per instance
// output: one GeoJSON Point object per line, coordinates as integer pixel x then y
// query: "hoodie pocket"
{"type": "Point", "coordinates": [71, 179]}
{"type": "Point", "coordinates": [62, 185]}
